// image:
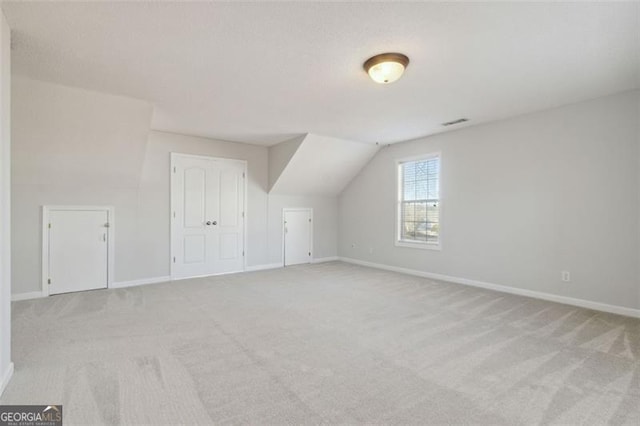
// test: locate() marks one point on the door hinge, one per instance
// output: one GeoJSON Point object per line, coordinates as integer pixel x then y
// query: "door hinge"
{"type": "Point", "coordinates": [243, 176]}
{"type": "Point", "coordinates": [49, 226]}
{"type": "Point", "coordinates": [309, 220]}
{"type": "Point", "coordinates": [174, 169]}
{"type": "Point", "coordinates": [309, 253]}
{"type": "Point", "coordinates": [174, 259]}
{"type": "Point", "coordinates": [174, 215]}
{"type": "Point", "coordinates": [49, 281]}
{"type": "Point", "coordinates": [243, 214]}
{"type": "Point", "coordinates": [243, 252]}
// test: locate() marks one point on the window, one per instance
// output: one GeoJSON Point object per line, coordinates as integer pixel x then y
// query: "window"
{"type": "Point", "coordinates": [419, 202]}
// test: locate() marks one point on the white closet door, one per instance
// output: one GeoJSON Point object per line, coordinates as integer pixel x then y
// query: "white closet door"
{"type": "Point", "coordinates": [78, 250]}
{"type": "Point", "coordinates": [208, 216]}
{"type": "Point", "coordinates": [229, 231]}
{"type": "Point", "coordinates": [297, 236]}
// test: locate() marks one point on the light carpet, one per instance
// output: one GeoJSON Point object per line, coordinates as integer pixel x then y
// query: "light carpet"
{"type": "Point", "coordinates": [327, 343]}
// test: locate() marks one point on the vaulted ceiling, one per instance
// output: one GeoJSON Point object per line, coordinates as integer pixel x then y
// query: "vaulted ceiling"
{"type": "Point", "coordinates": [267, 72]}
{"type": "Point", "coordinates": [316, 165]}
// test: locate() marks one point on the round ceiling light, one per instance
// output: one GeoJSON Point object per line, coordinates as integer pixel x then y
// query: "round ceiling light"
{"type": "Point", "coordinates": [386, 67]}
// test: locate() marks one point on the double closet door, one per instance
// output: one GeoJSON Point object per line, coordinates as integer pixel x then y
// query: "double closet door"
{"type": "Point", "coordinates": [207, 217]}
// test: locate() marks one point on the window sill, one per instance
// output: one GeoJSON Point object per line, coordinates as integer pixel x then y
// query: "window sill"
{"type": "Point", "coordinates": [423, 246]}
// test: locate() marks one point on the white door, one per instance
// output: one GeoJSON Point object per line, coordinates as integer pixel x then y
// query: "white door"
{"type": "Point", "coordinates": [298, 232]}
{"type": "Point", "coordinates": [78, 250]}
{"type": "Point", "coordinates": [208, 216]}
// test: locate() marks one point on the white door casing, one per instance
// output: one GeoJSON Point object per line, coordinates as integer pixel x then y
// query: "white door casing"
{"type": "Point", "coordinates": [207, 215]}
{"type": "Point", "coordinates": [298, 235]}
{"type": "Point", "coordinates": [77, 249]}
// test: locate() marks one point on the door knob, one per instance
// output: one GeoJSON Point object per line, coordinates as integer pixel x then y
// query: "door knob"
{"type": "Point", "coordinates": [208, 222]}
{"type": "Point", "coordinates": [214, 222]}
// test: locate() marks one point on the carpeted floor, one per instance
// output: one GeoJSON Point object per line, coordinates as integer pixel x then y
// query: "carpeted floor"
{"type": "Point", "coordinates": [326, 343]}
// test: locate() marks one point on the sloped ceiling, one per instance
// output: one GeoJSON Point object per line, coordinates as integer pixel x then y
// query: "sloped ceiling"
{"type": "Point", "coordinates": [320, 165]}
{"type": "Point", "coordinates": [279, 157]}
{"type": "Point", "coordinates": [265, 72]}
{"type": "Point", "coordinates": [62, 138]}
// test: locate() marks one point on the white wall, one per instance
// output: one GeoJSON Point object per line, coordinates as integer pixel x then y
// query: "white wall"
{"type": "Point", "coordinates": [155, 196]}
{"type": "Point", "coordinates": [522, 199]}
{"type": "Point", "coordinates": [73, 146]}
{"type": "Point", "coordinates": [637, 120]}
{"type": "Point", "coordinates": [325, 224]}
{"type": "Point", "coordinates": [264, 226]}
{"type": "Point", "coordinates": [280, 155]}
{"type": "Point", "coordinates": [6, 367]}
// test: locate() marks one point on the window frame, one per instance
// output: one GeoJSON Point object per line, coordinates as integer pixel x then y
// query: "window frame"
{"type": "Point", "coordinates": [399, 194]}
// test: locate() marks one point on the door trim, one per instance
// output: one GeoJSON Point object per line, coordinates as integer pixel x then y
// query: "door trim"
{"type": "Point", "coordinates": [46, 210]}
{"type": "Point", "coordinates": [297, 209]}
{"type": "Point", "coordinates": [174, 157]}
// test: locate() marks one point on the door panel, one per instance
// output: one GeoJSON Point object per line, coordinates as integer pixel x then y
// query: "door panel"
{"type": "Point", "coordinates": [195, 249]}
{"type": "Point", "coordinates": [229, 202]}
{"type": "Point", "coordinates": [208, 221]}
{"type": "Point", "coordinates": [228, 246]}
{"type": "Point", "coordinates": [194, 197]}
{"type": "Point", "coordinates": [297, 237]}
{"type": "Point", "coordinates": [230, 228]}
{"type": "Point", "coordinates": [78, 250]}
{"type": "Point", "coordinates": [191, 244]}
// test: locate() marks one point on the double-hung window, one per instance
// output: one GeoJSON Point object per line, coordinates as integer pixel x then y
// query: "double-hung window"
{"type": "Point", "coordinates": [419, 202]}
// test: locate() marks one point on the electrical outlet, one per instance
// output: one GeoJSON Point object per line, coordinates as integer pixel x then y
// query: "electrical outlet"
{"type": "Point", "coordinates": [566, 276]}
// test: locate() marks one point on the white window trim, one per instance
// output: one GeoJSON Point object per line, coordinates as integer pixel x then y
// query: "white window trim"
{"type": "Point", "coordinates": [415, 244]}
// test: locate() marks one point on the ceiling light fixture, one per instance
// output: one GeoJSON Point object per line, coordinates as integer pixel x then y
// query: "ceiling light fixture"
{"type": "Point", "coordinates": [386, 68]}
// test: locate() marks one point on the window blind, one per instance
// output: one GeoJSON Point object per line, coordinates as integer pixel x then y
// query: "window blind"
{"type": "Point", "coordinates": [419, 201]}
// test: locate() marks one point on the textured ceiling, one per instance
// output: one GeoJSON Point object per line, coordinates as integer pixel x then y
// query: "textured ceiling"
{"type": "Point", "coordinates": [262, 73]}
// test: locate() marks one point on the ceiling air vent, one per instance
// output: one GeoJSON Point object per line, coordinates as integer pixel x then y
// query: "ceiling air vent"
{"type": "Point", "coordinates": [458, 121]}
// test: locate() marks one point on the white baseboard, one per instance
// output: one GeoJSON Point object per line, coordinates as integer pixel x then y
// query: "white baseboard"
{"type": "Point", "coordinates": [281, 265]}
{"type": "Point", "coordinates": [26, 296]}
{"type": "Point", "coordinates": [263, 267]}
{"type": "Point", "coordinates": [143, 281]}
{"type": "Point", "coordinates": [6, 377]}
{"type": "Point", "coordinates": [120, 284]}
{"type": "Point", "coordinates": [597, 306]}
{"type": "Point", "coordinates": [325, 259]}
